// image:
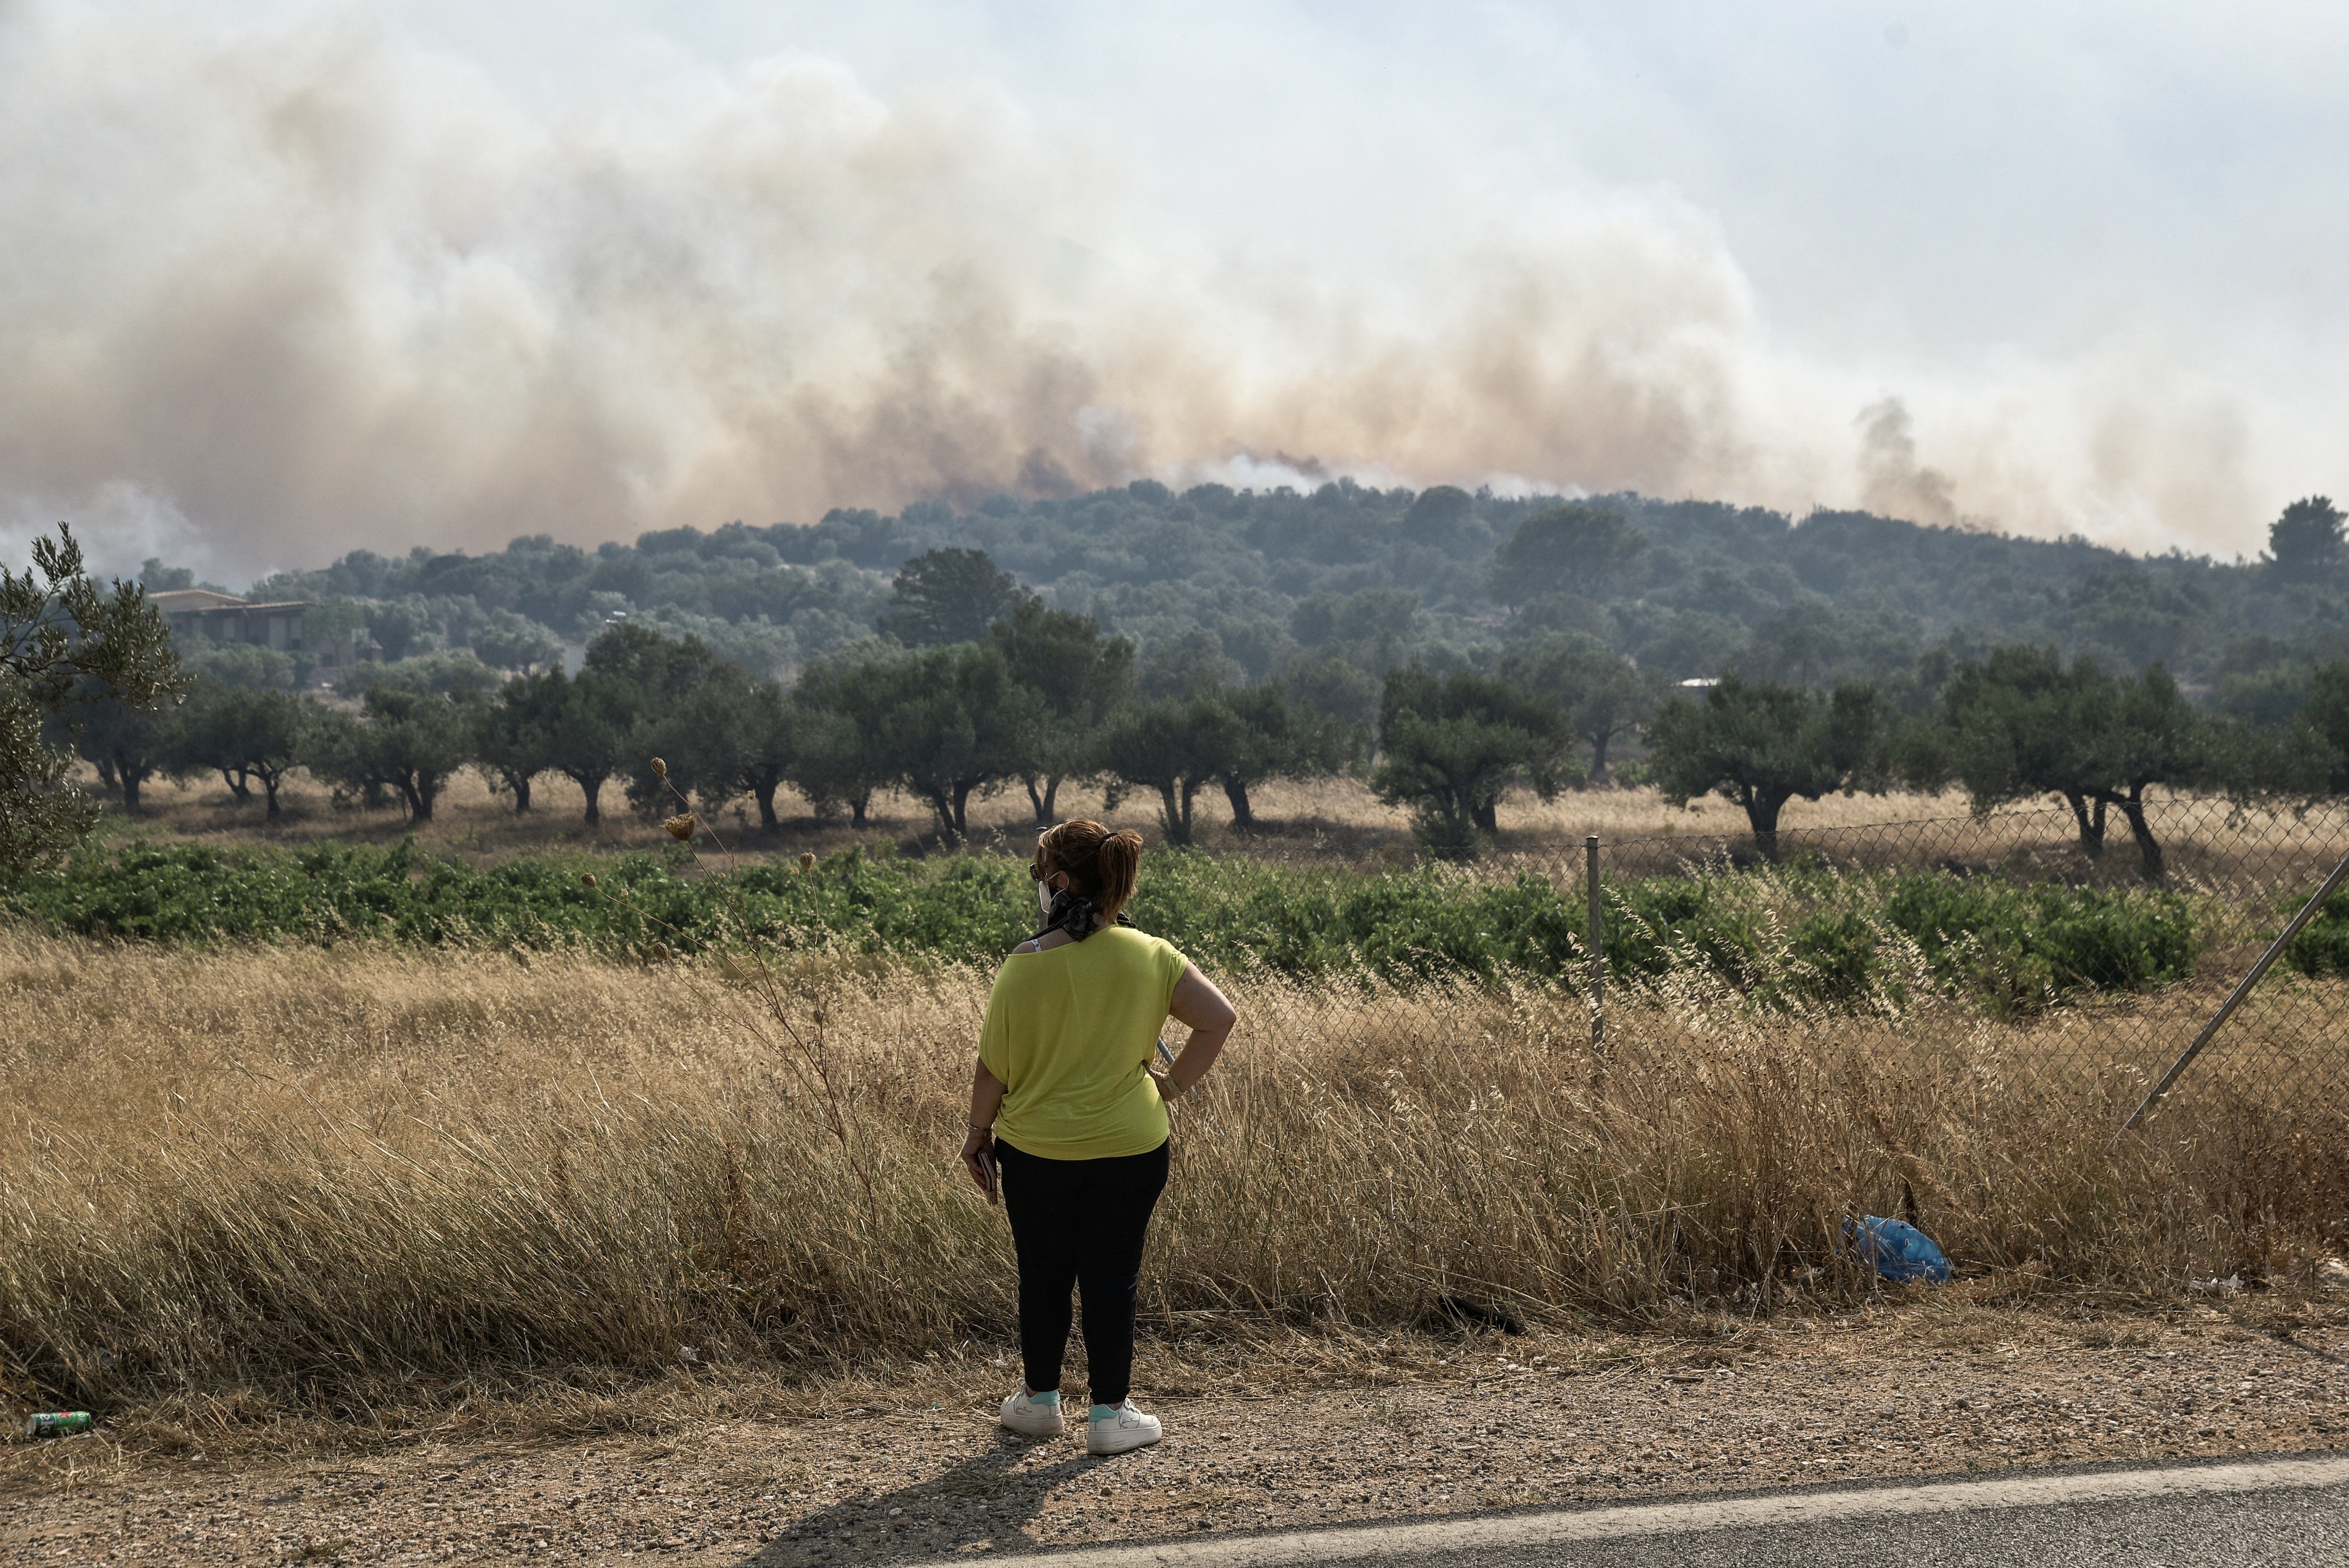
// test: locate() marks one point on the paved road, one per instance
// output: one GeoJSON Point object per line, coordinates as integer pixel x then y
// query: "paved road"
{"type": "Point", "coordinates": [2279, 1513]}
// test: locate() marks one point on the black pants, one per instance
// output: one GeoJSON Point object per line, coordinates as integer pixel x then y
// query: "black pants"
{"type": "Point", "coordinates": [1079, 1222]}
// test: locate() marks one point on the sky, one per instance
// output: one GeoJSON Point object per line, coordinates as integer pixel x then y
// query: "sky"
{"type": "Point", "coordinates": [288, 278]}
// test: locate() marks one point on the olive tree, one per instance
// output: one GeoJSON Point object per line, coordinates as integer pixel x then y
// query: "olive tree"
{"type": "Point", "coordinates": [1760, 744]}
{"type": "Point", "coordinates": [407, 742]}
{"type": "Point", "coordinates": [248, 735]}
{"type": "Point", "coordinates": [1450, 744]}
{"type": "Point", "coordinates": [65, 644]}
{"type": "Point", "coordinates": [1081, 675]}
{"type": "Point", "coordinates": [2022, 722]}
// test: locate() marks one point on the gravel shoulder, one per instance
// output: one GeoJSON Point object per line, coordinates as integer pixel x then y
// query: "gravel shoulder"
{"type": "Point", "coordinates": [713, 1466]}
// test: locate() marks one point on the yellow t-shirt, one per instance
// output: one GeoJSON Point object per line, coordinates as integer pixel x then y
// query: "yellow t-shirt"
{"type": "Point", "coordinates": [1070, 1032]}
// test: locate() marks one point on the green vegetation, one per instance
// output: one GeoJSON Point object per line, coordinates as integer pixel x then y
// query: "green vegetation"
{"type": "Point", "coordinates": [1761, 744]}
{"type": "Point", "coordinates": [1790, 934]}
{"type": "Point", "coordinates": [71, 658]}
{"type": "Point", "coordinates": [1451, 647]}
{"type": "Point", "coordinates": [1452, 745]}
{"type": "Point", "coordinates": [1347, 578]}
{"type": "Point", "coordinates": [2322, 944]}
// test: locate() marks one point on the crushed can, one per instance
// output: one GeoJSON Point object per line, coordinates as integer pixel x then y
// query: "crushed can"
{"type": "Point", "coordinates": [59, 1424]}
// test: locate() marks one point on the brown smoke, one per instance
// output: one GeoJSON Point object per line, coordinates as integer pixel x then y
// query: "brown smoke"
{"type": "Point", "coordinates": [1891, 482]}
{"type": "Point", "coordinates": [289, 292]}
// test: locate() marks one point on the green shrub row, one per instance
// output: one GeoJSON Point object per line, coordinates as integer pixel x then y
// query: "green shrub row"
{"type": "Point", "coordinates": [1780, 934]}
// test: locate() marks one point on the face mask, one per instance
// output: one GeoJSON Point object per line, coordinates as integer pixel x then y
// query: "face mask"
{"type": "Point", "coordinates": [1044, 900]}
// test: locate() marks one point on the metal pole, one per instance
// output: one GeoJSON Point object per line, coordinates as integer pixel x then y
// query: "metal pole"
{"type": "Point", "coordinates": [1598, 952]}
{"type": "Point", "coordinates": [2307, 913]}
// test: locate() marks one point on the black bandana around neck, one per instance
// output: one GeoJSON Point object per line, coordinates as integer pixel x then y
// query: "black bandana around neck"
{"type": "Point", "coordinates": [1074, 913]}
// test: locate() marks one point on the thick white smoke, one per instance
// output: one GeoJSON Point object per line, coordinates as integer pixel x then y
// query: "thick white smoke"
{"type": "Point", "coordinates": [272, 294]}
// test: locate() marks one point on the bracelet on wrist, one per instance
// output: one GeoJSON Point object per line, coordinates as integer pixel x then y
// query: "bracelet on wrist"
{"type": "Point", "coordinates": [975, 1127]}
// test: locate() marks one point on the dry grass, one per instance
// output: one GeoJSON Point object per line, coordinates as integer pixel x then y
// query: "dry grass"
{"type": "Point", "coordinates": [1336, 818]}
{"type": "Point", "coordinates": [325, 1175]}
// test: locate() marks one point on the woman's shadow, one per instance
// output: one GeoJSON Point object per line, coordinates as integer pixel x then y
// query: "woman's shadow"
{"type": "Point", "coordinates": [989, 1498]}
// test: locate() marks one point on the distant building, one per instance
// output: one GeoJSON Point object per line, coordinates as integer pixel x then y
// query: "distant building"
{"type": "Point", "coordinates": [199, 613]}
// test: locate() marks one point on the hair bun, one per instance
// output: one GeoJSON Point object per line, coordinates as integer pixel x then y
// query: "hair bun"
{"type": "Point", "coordinates": [1100, 864]}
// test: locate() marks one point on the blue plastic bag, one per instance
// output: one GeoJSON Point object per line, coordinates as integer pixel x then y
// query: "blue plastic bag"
{"type": "Point", "coordinates": [1895, 1249]}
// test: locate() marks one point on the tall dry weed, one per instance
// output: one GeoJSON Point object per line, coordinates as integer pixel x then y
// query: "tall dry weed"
{"type": "Point", "coordinates": [324, 1172]}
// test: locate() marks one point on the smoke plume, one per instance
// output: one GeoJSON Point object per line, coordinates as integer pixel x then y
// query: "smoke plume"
{"type": "Point", "coordinates": [278, 292]}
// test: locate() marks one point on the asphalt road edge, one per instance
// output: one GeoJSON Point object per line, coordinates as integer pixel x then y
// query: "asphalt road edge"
{"type": "Point", "coordinates": [1519, 1531]}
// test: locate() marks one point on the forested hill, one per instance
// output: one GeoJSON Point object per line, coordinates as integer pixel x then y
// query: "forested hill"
{"type": "Point", "coordinates": [1270, 581]}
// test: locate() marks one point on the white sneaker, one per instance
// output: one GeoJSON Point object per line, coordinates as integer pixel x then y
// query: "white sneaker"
{"type": "Point", "coordinates": [1123, 1429]}
{"type": "Point", "coordinates": [1023, 1415]}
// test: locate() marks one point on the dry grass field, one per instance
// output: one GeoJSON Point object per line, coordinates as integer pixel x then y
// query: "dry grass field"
{"type": "Point", "coordinates": [252, 1181]}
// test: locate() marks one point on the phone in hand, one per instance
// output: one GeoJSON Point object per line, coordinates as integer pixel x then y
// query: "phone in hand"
{"type": "Point", "coordinates": [989, 1179]}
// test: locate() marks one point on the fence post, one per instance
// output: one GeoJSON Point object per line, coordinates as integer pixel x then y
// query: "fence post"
{"type": "Point", "coordinates": [1598, 952]}
{"type": "Point", "coordinates": [2242, 989]}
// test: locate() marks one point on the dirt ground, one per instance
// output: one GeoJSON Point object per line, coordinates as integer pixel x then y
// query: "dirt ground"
{"type": "Point", "coordinates": [728, 1468]}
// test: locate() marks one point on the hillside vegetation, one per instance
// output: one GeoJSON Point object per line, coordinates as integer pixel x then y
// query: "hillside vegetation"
{"type": "Point", "coordinates": [1275, 582]}
{"type": "Point", "coordinates": [973, 681]}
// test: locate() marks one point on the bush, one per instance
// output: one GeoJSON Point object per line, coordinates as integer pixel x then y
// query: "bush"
{"type": "Point", "coordinates": [2023, 946]}
{"type": "Point", "coordinates": [2323, 945]}
{"type": "Point", "coordinates": [1781, 935]}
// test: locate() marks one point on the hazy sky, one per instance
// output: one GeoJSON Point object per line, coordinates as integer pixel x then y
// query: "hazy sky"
{"type": "Point", "coordinates": [285, 278]}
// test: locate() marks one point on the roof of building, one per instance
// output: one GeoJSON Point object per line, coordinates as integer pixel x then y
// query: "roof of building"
{"type": "Point", "coordinates": [179, 599]}
{"type": "Point", "coordinates": [194, 601]}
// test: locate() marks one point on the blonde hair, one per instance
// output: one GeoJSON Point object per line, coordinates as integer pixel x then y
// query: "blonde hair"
{"type": "Point", "coordinates": [1101, 865]}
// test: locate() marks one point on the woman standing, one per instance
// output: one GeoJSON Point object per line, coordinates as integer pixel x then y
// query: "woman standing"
{"type": "Point", "coordinates": [1064, 1108]}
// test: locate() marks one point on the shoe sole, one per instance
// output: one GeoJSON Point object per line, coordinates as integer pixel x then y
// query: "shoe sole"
{"type": "Point", "coordinates": [1051, 1421]}
{"type": "Point", "coordinates": [1102, 1451]}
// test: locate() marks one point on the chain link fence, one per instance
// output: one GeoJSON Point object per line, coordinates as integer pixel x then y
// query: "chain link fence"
{"type": "Point", "coordinates": [2110, 941]}
{"type": "Point", "coordinates": [1952, 1019]}
{"type": "Point", "coordinates": [2092, 959]}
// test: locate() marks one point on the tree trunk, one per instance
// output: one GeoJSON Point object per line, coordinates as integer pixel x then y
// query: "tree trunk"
{"type": "Point", "coordinates": [1038, 800]}
{"type": "Point", "coordinates": [2148, 849]}
{"type": "Point", "coordinates": [269, 782]}
{"type": "Point", "coordinates": [234, 779]}
{"type": "Point", "coordinates": [132, 779]}
{"type": "Point", "coordinates": [1235, 791]}
{"type": "Point", "coordinates": [1762, 809]}
{"type": "Point", "coordinates": [961, 811]}
{"type": "Point", "coordinates": [942, 807]}
{"type": "Point", "coordinates": [419, 793]}
{"type": "Point", "coordinates": [856, 808]}
{"type": "Point", "coordinates": [594, 789]}
{"type": "Point", "coordinates": [1486, 814]}
{"type": "Point", "coordinates": [764, 793]}
{"type": "Point", "coordinates": [2092, 823]}
{"type": "Point", "coordinates": [522, 792]}
{"type": "Point", "coordinates": [1176, 822]}
{"type": "Point", "coordinates": [1600, 740]}
{"type": "Point", "coordinates": [1051, 802]}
